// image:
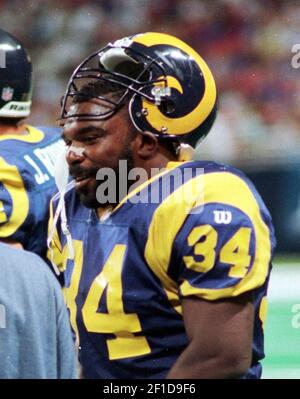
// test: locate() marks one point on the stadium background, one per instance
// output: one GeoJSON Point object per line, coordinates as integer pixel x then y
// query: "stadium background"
{"type": "Point", "coordinates": [248, 45]}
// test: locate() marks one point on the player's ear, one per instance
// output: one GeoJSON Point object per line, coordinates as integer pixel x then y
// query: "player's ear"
{"type": "Point", "coordinates": [146, 145]}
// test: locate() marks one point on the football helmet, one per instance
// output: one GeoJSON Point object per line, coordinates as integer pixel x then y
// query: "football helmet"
{"type": "Point", "coordinates": [172, 92]}
{"type": "Point", "coordinates": [15, 78]}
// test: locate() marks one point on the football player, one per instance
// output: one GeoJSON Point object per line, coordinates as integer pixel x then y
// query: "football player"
{"type": "Point", "coordinates": [169, 280]}
{"type": "Point", "coordinates": [27, 154]}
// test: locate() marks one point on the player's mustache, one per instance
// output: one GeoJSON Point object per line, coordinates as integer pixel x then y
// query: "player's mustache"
{"type": "Point", "coordinates": [76, 171]}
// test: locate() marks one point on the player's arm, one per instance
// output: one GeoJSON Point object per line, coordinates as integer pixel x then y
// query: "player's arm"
{"type": "Point", "coordinates": [220, 337]}
{"type": "Point", "coordinates": [226, 251]}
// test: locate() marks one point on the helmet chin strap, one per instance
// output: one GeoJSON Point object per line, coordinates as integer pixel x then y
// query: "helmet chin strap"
{"type": "Point", "coordinates": [185, 152]}
{"type": "Point", "coordinates": [61, 176]}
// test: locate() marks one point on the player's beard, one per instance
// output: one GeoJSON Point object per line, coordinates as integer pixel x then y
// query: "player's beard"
{"type": "Point", "coordinates": [88, 194]}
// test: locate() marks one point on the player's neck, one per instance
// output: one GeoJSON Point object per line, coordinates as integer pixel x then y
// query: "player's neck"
{"type": "Point", "coordinates": [154, 165]}
{"type": "Point", "coordinates": [104, 212]}
{"type": "Point", "coordinates": [12, 130]}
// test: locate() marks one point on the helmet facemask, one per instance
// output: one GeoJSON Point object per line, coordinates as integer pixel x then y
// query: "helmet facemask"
{"type": "Point", "coordinates": [130, 70]}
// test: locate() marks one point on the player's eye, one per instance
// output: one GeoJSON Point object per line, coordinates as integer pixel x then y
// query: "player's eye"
{"type": "Point", "coordinates": [89, 139]}
{"type": "Point", "coordinates": [67, 142]}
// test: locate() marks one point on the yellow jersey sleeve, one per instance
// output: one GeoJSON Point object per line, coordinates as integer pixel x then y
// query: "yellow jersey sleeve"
{"type": "Point", "coordinates": [216, 241]}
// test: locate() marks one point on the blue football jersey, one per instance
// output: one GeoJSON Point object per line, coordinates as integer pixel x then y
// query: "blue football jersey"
{"type": "Point", "coordinates": [196, 229]}
{"type": "Point", "coordinates": [27, 185]}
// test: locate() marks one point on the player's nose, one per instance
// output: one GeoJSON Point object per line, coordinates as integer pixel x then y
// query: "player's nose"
{"type": "Point", "coordinates": [75, 154]}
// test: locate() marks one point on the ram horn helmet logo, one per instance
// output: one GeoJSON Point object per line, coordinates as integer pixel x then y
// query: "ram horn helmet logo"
{"type": "Point", "coordinates": [7, 93]}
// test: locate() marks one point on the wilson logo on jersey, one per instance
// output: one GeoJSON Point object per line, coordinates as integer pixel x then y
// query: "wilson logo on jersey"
{"type": "Point", "coordinates": [223, 217]}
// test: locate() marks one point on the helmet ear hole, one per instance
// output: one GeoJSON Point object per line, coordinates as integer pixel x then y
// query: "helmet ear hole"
{"type": "Point", "coordinates": [167, 106]}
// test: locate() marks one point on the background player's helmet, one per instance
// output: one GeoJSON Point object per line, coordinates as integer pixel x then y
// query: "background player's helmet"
{"type": "Point", "coordinates": [171, 89]}
{"type": "Point", "coordinates": [15, 78]}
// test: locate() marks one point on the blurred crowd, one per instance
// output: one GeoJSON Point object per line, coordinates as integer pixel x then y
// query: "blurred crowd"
{"type": "Point", "coordinates": [248, 45]}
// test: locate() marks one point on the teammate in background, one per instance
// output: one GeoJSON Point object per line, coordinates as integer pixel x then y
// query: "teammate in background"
{"type": "Point", "coordinates": [170, 280]}
{"type": "Point", "coordinates": [35, 334]}
{"type": "Point", "coordinates": [27, 154]}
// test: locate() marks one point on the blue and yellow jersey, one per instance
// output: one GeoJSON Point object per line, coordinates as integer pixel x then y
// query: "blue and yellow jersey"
{"type": "Point", "coordinates": [27, 185]}
{"type": "Point", "coordinates": [196, 229]}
